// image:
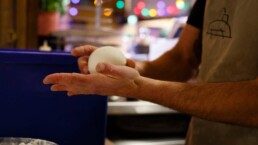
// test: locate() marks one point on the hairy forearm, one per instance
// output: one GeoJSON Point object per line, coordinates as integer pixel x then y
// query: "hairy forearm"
{"type": "Point", "coordinates": [177, 64]}
{"type": "Point", "coordinates": [170, 66]}
{"type": "Point", "coordinates": [174, 73]}
{"type": "Point", "coordinates": [235, 102]}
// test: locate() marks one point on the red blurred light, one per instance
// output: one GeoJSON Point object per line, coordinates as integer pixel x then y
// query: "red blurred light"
{"type": "Point", "coordinates": [141, 5]}
{"type": "Point", "coordinates": [137, 11]}
{"type": "Point", "coordinates": [172, 10]}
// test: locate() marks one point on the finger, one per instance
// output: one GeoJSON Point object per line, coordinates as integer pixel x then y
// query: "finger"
{"type": "Point", "coordinates": [83, 50]}
{"type": "Point", "coordinates": [63, 78]}
{"type": "Point", "coordinates": [70, 94]}
{"type": "Point", "coordinates": [116, 71]}
{"type": "Point", "coordinates": [107, 68]}
{"type": "Point", "coordinates": [83, 64]}
{"type": "Point", "coordinates": [130, 63]}
{"type": "Point", "coordinates": [52, 78]}
{"type": "Point", "coordinates": [73, 93]}
{"type": "Point", "coordinates": [58, 87]}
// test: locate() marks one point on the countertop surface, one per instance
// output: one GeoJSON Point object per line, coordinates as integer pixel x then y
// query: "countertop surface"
{"type": "Point", "coordinates": [137, 107]}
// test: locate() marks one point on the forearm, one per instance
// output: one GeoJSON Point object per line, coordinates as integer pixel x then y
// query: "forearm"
{"type": "Point", "coordinates": [226, 102]}
{"type": "Point", "coordinates": [169, 66]}
{"type": "Point", "coordinates": [179, 63]}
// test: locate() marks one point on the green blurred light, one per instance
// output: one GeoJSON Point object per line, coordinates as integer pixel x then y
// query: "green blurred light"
{"type": "Point", "coordinates": [132, 19]}
{"type": "Point", "coordinates": [120, 4]}
{"type": "Point", "coordinates": [145, 12]}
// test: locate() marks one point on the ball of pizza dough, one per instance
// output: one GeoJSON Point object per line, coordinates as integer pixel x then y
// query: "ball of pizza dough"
{"type": "Point", "coordinates": [105, 54]}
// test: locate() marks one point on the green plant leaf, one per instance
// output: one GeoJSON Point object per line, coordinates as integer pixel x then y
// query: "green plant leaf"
{"type": "Point", "coordinates": [54, 6]}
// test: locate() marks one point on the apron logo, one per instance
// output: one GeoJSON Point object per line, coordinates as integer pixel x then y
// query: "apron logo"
{"type": "Point", "coordinates": [220, 27]}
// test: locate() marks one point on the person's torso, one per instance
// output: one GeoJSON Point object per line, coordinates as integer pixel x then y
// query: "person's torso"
{"type": "Point", "coordinates": [230, 53]}
{"type": "Point", "coordinates": [230, 41]}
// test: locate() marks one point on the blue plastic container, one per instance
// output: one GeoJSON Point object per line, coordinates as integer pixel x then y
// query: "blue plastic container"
{"type": "Point", "coordinates": [29, 109]}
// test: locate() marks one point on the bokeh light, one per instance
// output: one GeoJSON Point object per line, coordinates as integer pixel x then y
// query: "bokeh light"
{"type": "Point", "coordinates": [145, 12]}
{"type": "Point", "coordinates": [120, 4]}
{"type": "Point", "coordinates": [172, 10]}
{"type": "Point", "coordinates": [137, 11]}
{"type": "Point", "coordinates": [98, 2]}
{"type": "Point", "coordinates": [161, 12]}
{"type": "Point", "coordinates": [152, 12]}
{"type": "Point", "coordinates": [108, 12]}
{"type": "Point", "coordinates": [132, 19]}
{"type": "Point", "coordinates": [180, 4]}
{"type": "Point", "coordinates": [73, 11]}
{"type": "Point", "coordinates": [141, 5]}
{"type": "Point", "coordinates": [75, 1]}
{"type": "Point", "coordinates": [161, 4]}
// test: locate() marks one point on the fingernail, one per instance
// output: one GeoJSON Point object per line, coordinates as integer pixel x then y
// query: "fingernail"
{"type": "Point", "coordinates": [53, 89]}
{"type": "Point", "coordinates": [100, 67]}
{"type": "Point", "coordinates": [45, 81]}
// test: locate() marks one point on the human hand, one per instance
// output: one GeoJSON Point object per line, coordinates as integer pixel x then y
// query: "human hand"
{"type": "Point", "coordinates": [83, 52]}
{"type": "Point", "coordinates": [110, 80]}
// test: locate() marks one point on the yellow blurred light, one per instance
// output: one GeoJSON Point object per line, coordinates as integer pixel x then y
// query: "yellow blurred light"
{"type": "Point", "coordinates": [152, 12]}
{"type": "Point", "coordinates": [95, 2]}
{"type": "Point", "coordinates": [180, 4]}
{"type": "Point", "coordinates": [98, 2]}
{"type": "Point", "coordinates": [107, 12]}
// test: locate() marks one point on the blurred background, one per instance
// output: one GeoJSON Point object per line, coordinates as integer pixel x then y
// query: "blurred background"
{"type": "Point", "coordinates": [136, 26]}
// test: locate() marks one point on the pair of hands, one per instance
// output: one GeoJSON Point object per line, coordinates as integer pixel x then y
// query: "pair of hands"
{"type": "Point", "coordinates": [110, 79]}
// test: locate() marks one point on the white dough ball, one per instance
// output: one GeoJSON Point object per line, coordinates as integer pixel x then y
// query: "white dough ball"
{"type": "Point", "coordinates": [105, 54]}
